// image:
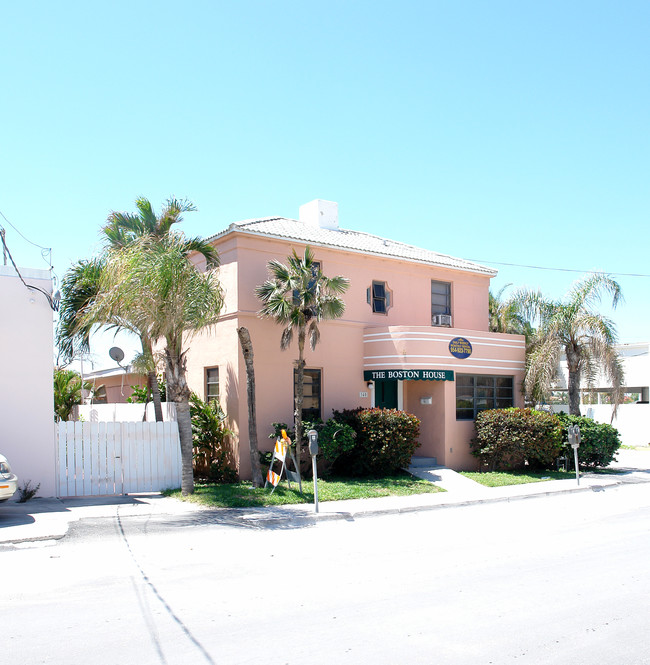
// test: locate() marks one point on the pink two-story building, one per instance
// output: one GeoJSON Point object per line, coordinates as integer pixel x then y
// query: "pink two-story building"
{"type": "Point", "coordinates": [414, 336]}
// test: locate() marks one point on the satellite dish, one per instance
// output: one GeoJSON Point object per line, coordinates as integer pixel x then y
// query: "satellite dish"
{"type": "Point", "coordinates": [116, 354]}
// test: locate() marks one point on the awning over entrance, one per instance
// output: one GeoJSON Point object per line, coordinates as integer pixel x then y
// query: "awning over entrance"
{"type": "Point", "coordinates": [409, 375]}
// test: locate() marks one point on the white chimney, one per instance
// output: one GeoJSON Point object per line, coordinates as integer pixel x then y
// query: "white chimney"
{"type": "Point", "coordinates": [323, 214]}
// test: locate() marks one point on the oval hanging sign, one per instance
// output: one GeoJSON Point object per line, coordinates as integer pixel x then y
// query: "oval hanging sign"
{"type": "Point", "coordinates": [459, 347]}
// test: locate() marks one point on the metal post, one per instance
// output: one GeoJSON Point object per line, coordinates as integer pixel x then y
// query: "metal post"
{"type": "Point", "coordinates": [312, 437]}
{"type": "Point", "coordinates": [313, 466]}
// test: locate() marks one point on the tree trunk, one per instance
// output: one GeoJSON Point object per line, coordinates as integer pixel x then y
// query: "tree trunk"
{"type": "Point", "coordinates": [297, 414]}
{"type": "Point", "coordinates": [179, 393]}
{"type": "Point", "coordinates": [573, 365]}
{"type": "Point", "coordinates": [185, 434]}
{"type": "Point", "coordinates": [155, 393]}
{"type": "Point", "coordinates": [247, 350]}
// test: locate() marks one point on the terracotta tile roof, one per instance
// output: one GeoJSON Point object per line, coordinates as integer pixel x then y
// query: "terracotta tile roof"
{"type": "Point", "coordinates": [354, 241]}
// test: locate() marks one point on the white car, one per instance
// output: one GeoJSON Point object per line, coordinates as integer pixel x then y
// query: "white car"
{"type": "Point", "coordinates": [8, 481]}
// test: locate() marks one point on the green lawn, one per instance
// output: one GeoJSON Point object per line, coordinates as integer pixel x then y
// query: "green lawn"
{"type": "Point", "coordinates": [244, 495]}
{"type": "Point", "coordinates": [502, 478]}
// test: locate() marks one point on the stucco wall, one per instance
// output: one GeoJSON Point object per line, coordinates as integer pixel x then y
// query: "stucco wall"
{"type": "Point", "coordinates": [26, 388]}
{"type": "Point", "coordinates": [342, 351]}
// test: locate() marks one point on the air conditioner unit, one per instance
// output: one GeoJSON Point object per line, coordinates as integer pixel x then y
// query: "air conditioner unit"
{"type": "Point", "coordinates": [441, 320]}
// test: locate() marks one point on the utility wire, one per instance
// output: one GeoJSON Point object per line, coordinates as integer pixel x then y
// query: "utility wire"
{"type": "Point", "coordinates": [53, 302]}
{"type": "Point", "coordinates": [519, 265]}
{"type": "Point", "coordinates": [45, 251]}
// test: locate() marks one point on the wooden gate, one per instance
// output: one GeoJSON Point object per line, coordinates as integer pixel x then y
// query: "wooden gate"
{"type": "Point", "coordinates": [106, 458]}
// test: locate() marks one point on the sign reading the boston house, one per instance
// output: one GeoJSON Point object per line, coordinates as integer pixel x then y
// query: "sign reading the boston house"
{"type": "Point", "coordinates": [409, 375]}
{"type": "Point", "coordinates": [459, 347]}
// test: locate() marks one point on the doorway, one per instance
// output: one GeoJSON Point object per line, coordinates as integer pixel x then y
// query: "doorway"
{"type": "Point", "coordinates": [386, 394]}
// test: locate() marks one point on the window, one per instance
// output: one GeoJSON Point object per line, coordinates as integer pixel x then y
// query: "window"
{"type": "Point", "coordinates": [311, 403]}
{"type": "Point", "coordinates": [315, 269]}
{"type": "Point", "coordinates": [378, 296]}
{"type": "Point", "coordinates": [476, 393]}
{"type": "Point", "coordinates": [212, 384]}
{"type": "Point", "coordinates": [440, 298]}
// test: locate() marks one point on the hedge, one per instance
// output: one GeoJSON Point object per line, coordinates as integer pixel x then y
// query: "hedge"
{"type": "Point", "coordinates": [508, 439]}
{"type": "Point", "coordinates": [598, 441]}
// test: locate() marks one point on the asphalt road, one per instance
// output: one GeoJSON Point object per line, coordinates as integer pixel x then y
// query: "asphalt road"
{"type": "Point", "coordinates": [551, 580]}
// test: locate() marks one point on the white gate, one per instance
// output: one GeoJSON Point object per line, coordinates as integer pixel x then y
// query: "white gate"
{"type": "Point", "coordinates": [95, 459]}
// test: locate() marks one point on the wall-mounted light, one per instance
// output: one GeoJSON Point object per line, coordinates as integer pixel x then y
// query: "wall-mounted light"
{"type": "Point", "coordinates": [370, 384]}
{"type": "Point", "coordinates": [426, 400]}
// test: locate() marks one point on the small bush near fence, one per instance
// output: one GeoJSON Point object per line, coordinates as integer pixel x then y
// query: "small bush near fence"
{"type": "Point", "coordinates": [508, 439]}
{"type": "Point", "coordinates": [598, 441]}
{"type": "Point", "coordinates": [213, 459]}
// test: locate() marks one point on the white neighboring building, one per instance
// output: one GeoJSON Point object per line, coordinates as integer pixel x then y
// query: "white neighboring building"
{"type": "Point", "coordinates": [26, 385]}
{"type": "Point", "coordinates": [633, 418]}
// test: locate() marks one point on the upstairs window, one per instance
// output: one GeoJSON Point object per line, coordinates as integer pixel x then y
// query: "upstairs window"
{"type": "Point", "coordinates": [212, 384]}
{"type": "Point", "coordinates": [440, 298]}
{"type": "Point", "coordinates": [315, 269]}
{"type": "Point", "coordinates": [379, 297]}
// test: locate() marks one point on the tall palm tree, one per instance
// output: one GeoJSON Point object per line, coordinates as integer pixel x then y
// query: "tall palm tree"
{"type": "Point", "coordinates": [299, 296]}
{"type": "Point", "coordinates": [587, 338]}
{"type": "Point", "coordinates": [152, 286]}
{"type": "Point", "coordinates": [81, 283]}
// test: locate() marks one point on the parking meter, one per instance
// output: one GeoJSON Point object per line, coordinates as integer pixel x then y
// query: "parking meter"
{"type": "Point", "coordinates": [574, 439]}
{"type": "Point", "coordinates": [312, 437]}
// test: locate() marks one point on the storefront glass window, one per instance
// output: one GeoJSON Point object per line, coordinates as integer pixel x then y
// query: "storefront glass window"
{"type": "Point", "coordinates": [476, 393]}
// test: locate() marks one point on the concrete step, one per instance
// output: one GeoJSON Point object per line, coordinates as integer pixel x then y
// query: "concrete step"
{"type": "Point", "coordinates": [420, 462]}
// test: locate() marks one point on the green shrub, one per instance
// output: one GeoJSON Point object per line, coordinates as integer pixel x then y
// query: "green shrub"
{"type": "Point", "coordinates": [334, 439]}
{"type": "Point", "coordinates": [509, 439]}
{"type": "Point", "coordinates": [598, 441]}
{"type": "Point", "coordinates": [385, 442]}
{"type": "Point", "coordinates": [211, 454]}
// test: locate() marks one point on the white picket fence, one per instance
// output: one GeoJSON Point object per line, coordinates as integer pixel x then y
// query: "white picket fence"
{"type": "Point", "coordinates": [106, 458]}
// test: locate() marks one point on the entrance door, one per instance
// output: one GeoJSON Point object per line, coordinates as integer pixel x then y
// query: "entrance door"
{"type": "Point", "coordinates": [386, 394]}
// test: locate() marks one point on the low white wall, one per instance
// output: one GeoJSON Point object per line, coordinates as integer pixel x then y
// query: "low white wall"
{"type": "Point", "coordinates": [123, 413]}
{"type": "Point", "coordinates": [632, 420]}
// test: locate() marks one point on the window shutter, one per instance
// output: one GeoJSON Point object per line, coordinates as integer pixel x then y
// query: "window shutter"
{"type": "Point", "coordinates": [368, 295]}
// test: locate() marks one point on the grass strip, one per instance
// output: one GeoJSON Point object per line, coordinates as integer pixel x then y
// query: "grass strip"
{"type": "Point", "coordinates": [504, 478]}
{"type": "Point", "coordinates": [244, 495]}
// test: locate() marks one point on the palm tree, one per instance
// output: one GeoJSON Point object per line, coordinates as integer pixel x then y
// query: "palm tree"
{"type": "Point", "coordinates": [80, 284]}
{"type": "Point", "coordinates": [587, 338]}
{"type": "Point", "coordinates": [505, 315]}
{"type": "Point", "coordinates": [299, 296]}
{"type": "Point", "coordinates": [152, 286]}
{"type": "Point", "coordinates": [68, 392]}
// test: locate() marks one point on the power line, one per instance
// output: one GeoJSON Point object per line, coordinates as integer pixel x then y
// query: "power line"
{"type": "Point", "coordinates": [52, 301]}
{"type": "Point", "coordinates": [45, 251]}
{"type": "Point", "coordinates": [520, 265]}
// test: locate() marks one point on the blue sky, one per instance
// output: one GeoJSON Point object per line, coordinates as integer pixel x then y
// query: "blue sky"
{"type": "Point", "coordinates": [504, 132]}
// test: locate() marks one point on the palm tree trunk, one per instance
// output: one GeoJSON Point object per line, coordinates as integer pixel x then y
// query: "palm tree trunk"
{"type": "Point", "coordinates": [155, 393]}
{"type": "Point", "coordinates": [297, 414]}
{"type": "Point", "coordinates": [247, 350]}
{"type": "Point", "coordinates": [179, 393]}
{"type": "Point", "coordinates": [185, 434]}
{"type": "Point", "coordinates": [573, 365]}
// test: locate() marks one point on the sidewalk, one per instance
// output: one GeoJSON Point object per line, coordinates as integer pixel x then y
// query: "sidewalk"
{"type": "Point", "coordinates": [49, 519]}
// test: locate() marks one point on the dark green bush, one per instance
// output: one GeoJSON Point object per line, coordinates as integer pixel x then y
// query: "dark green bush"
{"type": "Point", "coordinates": [508, 439]}
{"type": "Point", "coordinates": [598, 441]}
{"type": "Point", "coordinates": [334, 439]}
{"type": "Point", "coordinates": [211, 454]}
{"type": "Point", "coordinates": [386, 440]}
